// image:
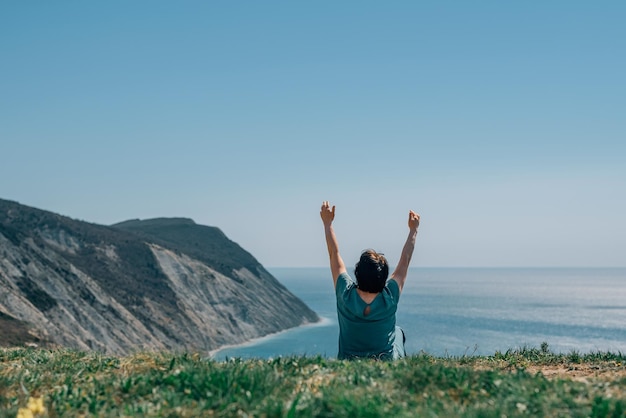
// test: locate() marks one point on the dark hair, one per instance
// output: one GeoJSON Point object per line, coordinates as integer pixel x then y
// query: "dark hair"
{"type": "Point", "coordinates": [371, 271]}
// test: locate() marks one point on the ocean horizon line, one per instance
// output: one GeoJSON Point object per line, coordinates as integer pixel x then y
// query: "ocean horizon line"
{"type": "Point", "coordinates": [468, 267]}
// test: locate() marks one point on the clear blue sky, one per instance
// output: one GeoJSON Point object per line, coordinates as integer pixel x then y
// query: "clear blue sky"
{"type": "Point", "coordinates": [502, 123]}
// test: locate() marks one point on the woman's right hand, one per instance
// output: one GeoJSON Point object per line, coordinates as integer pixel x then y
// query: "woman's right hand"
{"type": "Point", "coordinates": [414, 220]}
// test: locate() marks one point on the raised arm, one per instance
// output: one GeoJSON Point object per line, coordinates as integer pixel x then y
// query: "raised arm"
{"type": "Point", "coordinates": [401, 271]}
{"type": "Point", "coordinates": [336, 263]}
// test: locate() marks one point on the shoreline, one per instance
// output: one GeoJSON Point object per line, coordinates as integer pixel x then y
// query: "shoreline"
{"type": "Point", "coordinates": [324, 321]}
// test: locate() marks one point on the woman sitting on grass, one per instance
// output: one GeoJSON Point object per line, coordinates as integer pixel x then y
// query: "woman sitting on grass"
{"type": "Point", "coordinates": [367, 308]}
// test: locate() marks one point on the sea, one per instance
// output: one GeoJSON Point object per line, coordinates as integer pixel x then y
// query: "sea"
{"type": "Point", "coordinates": [469, 311]}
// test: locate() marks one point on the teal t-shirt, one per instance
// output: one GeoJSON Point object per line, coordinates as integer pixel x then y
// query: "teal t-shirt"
{"type": "Point", "coordinates": [366, 330]}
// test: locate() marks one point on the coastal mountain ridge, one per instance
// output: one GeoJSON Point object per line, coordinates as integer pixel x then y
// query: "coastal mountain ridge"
{"type": "Point", "coordinates": [156, 284]}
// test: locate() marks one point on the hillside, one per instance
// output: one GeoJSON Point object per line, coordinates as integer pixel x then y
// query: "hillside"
{"type": "Point", "coordinates": [204, 243]}
{"type": "Point", "coordinates": [157, 284]}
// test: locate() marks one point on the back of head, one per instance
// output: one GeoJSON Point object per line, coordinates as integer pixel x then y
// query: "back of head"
{"type": "Point", "coordinates": [371, 271]}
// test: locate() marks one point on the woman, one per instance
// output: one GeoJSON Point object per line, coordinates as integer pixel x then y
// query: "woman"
{"type": "Point", "coordinates": [366, 309]}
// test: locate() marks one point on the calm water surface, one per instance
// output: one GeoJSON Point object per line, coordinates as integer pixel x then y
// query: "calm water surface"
{"type": "Point", "coordinates": [456, 311]}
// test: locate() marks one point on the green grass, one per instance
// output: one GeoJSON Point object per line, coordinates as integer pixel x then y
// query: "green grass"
{"type": "Point", "coordinates": [73, 383]}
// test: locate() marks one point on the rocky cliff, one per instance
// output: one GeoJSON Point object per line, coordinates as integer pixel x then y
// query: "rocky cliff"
{"type": "Point", "coordinates": [162, 284]}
